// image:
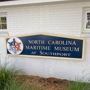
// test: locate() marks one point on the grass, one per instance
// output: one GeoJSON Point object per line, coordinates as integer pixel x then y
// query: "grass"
{"type": "Point", "coordinates": [8, 79]}
{"type": "Point", "coordinates": [78, 85]}
{"type": "Point", "coordinates": [7, 73]}
{"type": "Point", "coordinates": [14, 85]}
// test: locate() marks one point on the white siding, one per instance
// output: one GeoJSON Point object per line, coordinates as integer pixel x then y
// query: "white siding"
{"type": "Point", "coordinates": [50, 18]}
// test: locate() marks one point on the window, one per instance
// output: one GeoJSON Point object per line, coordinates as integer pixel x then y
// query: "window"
{"type": "Point", "coordinates": [86, 20]}
{"type": "Point", "coordinates": [3, 23]}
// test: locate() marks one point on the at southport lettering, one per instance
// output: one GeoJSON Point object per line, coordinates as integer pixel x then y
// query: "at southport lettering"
{"type": "Point", "coordinates": [54, 54]}
{"type": "Point", "coordinates": [52, 42]}
{"type": "Point", "coordinates": [71, 49]}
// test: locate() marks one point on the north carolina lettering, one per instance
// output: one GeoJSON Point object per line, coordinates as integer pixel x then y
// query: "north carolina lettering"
{"type": "Point", "coordinates": [36, 41]}
{"type": "Point", "coordinates": [60, 42]}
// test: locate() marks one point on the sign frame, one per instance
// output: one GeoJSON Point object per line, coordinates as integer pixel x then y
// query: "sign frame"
{"type": "Point", "coordinates": [48, 57]}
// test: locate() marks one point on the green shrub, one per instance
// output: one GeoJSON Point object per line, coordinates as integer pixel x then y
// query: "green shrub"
{"type": "Point", "coordinates": [13, 86]}
{"type": "Point", "coordinates": [78, 85]}
{"type": "Point", "coordinates": [18, 85]}
{"type": "Point", "coordinates": [7, 73]}
{"type": "Point", "coordinates": [8, 78]}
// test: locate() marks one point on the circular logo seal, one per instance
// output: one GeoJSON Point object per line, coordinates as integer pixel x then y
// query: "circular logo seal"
{"type": "Point", "coordinates": [14, 45]}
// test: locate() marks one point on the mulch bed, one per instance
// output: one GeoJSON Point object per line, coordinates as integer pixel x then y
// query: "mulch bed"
{"type": "Point", "coordinates": [44, 83]}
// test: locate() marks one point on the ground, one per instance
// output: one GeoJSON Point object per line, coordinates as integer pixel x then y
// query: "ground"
{"type": "Point", "coordinates": [44, 83]}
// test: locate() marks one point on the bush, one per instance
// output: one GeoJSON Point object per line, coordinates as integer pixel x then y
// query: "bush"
{"type": "Point", "coordinates": [7, 74]}
{"type": "Point", "coordinates": [13, 85]}
{"type": "Point", "coordinates": [8, 78]}
{"type": "Point", "coordinates": [78, 85]}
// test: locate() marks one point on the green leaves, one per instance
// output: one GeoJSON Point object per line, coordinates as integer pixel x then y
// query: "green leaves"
{"type": "Point", "coordinates": [78, 85]}
{"type": "Point", "coordinates": [8, 78]}
{"type": "Point", "coordinates": [7, 74]}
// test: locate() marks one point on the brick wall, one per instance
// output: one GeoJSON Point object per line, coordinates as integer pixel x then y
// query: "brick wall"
{"type": "Point", "coordinates": [48, 18]}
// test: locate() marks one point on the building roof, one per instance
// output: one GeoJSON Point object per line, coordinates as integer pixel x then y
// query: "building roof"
{"type": "Point", "coordinates": [23, 2]}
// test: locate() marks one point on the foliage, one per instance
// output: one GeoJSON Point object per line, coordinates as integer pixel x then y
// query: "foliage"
{"type": "Point", "coordinates": [14, 85]}
{"type": "Point", "coordinates": [7, 73]}
{"type": "Point", "coordinates": [8, 78]}
{"type": "Point", "coordinates": [78, 85]}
